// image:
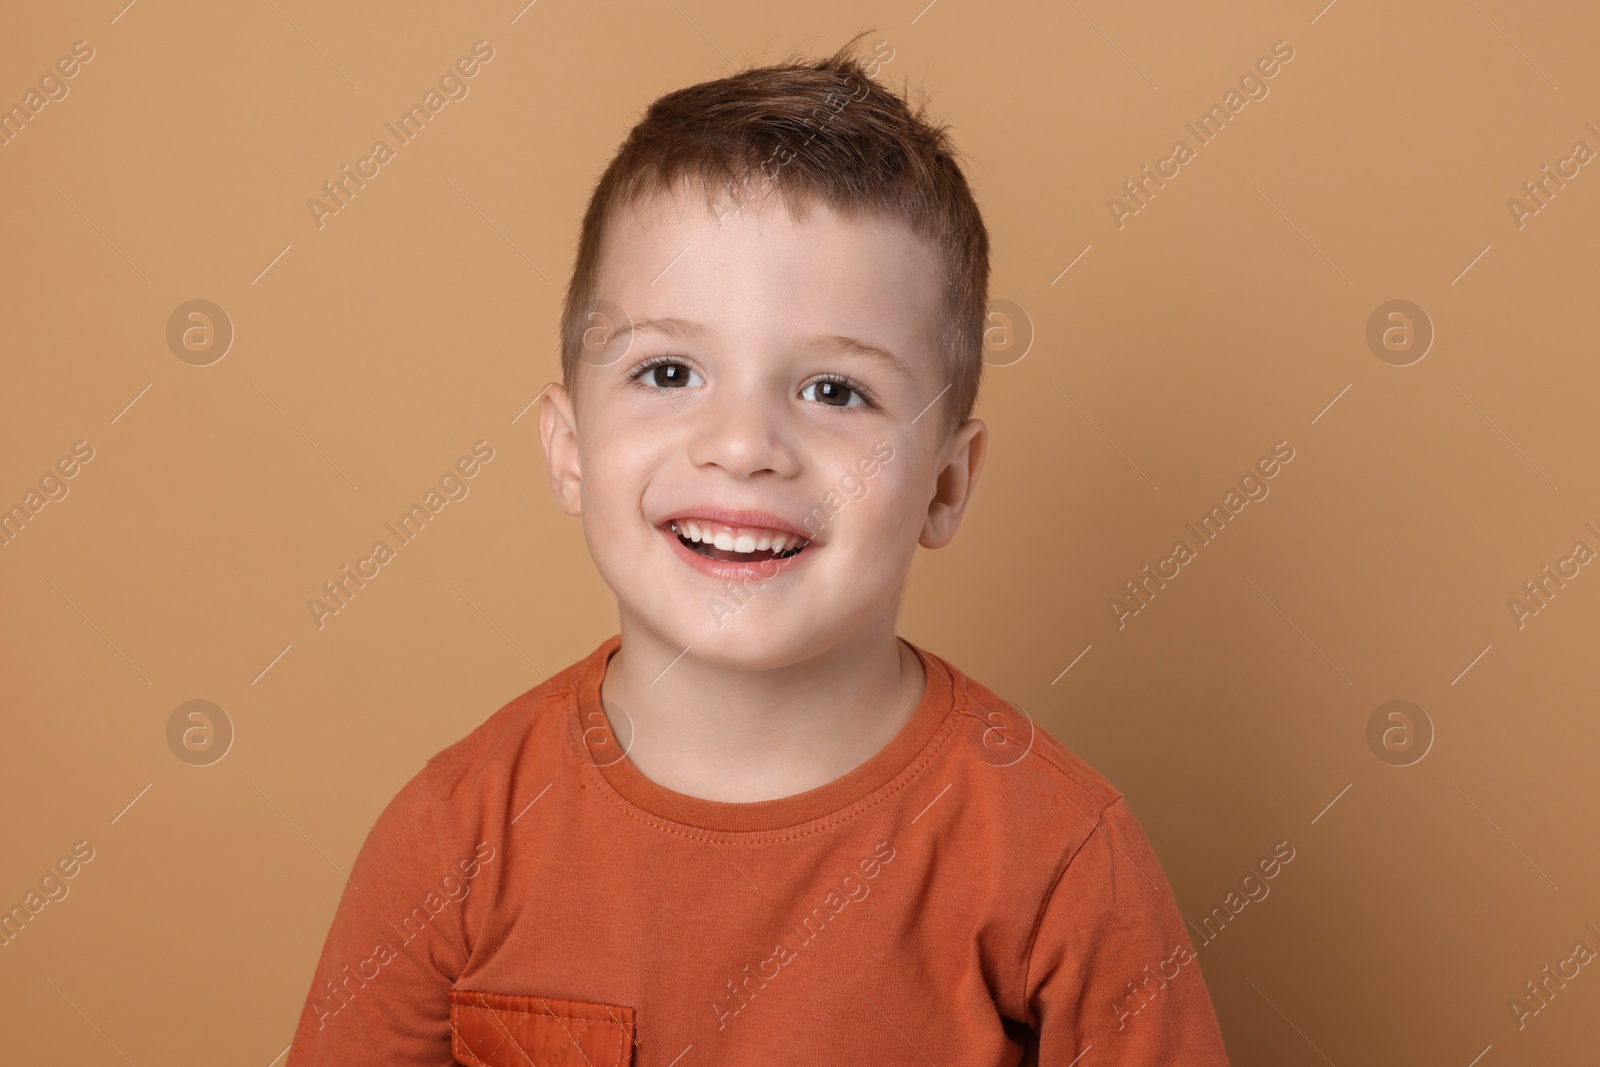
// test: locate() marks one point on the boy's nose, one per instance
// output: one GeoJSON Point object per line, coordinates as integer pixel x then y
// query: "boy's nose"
{"type": "Point", "coordinates": [743, 435]}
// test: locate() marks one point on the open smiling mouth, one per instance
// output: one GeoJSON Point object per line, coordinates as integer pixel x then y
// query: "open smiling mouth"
{"type": "Point", "coordinates": [736, 544]}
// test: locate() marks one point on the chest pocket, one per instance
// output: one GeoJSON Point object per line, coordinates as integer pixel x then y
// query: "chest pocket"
{"type": "Point", "coordinates": [510, 1030]}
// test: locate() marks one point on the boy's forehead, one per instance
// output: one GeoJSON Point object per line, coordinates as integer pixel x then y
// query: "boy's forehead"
{"type": "Point", "coordinates": [759, 268]}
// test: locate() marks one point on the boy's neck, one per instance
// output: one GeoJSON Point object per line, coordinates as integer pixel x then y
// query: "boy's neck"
{"type": "Point", "coordinates": [740, 736]}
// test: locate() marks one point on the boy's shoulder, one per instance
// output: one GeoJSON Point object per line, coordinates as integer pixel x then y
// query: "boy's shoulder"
{"type": "Point", "coordinates": [1035, 766]}
{"type": "Point", "coordinates": [534, 722]}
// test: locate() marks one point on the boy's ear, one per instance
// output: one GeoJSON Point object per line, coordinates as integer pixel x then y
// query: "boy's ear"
{"type": "Point", "coordinates": [954, 483]}
{"type": "Point", "coordinates": [558, 430]}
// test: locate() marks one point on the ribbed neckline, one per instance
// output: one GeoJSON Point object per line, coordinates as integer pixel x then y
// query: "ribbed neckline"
{"type": "Point", "coordinates": [595, 744]}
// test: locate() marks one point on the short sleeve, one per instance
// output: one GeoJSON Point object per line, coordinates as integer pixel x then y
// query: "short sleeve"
{"type": "Point", "coordinates": [381, 992]}
{"type": "Point", "coordinates": [1111, 965]}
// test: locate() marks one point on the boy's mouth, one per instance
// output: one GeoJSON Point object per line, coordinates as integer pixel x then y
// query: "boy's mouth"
{"type": "Point", "coordinates": [727, 543]}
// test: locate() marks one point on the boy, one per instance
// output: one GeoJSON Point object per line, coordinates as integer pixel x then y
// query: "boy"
{"type": "Point", "coordinates": [758, 826]}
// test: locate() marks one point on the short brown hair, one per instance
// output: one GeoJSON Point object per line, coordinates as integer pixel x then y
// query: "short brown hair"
{"type": "Point", "coordinates": [812, 130]}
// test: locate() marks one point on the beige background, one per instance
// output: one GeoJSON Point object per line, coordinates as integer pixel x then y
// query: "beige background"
{"type": "Point", "coordinates": [1227, 315]}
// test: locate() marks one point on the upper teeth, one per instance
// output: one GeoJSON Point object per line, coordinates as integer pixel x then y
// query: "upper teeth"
{"type": "Point", "coordinates": [736, 538]}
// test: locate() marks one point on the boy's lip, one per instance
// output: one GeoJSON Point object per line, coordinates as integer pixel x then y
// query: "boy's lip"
{"type": "Point", "coordinates": [724, 571]}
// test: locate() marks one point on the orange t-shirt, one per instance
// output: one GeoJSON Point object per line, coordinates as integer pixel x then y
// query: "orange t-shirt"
{"type": "Point", "coordinates": [971, 894]}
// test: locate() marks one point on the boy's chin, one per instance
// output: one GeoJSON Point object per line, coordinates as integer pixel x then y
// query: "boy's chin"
{"type": "Point", "coordinates": [754, 644]}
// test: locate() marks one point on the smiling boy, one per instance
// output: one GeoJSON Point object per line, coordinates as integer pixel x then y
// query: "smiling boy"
{"type": "Point", "coordinates": [758, 825]}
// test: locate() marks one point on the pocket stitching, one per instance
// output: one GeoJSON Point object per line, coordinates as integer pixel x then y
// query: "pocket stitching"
{"type": "Point", "coordinates": [607, 1014]}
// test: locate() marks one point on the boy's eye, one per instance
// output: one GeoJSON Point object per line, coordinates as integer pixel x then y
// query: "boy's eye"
{"type": "Point", "coordinates": [668, 374]}
{"type": "Point", "coordinates": [833, 392]}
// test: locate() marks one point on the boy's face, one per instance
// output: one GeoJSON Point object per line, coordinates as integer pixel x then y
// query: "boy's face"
{"type": "Point", "coordinates": [688, 447]}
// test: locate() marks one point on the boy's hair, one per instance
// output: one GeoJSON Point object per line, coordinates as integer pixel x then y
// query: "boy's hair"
{"type": "Point", "coordinates": [818, 130]}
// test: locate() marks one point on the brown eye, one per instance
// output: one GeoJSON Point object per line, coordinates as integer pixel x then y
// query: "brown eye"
{"type": "Point", "coordinates": [667, 374]}
{"type": "Point", "coordinates": [834, 393]}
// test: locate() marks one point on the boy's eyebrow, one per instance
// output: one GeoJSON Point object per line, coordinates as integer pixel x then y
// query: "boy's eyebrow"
{"type": "Point", "coordinates": [854, 346]}
{"type": "Point", "coordinates": [686, 328]}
